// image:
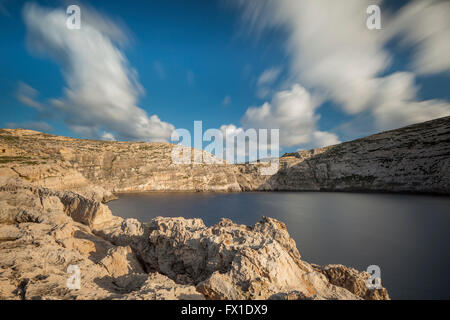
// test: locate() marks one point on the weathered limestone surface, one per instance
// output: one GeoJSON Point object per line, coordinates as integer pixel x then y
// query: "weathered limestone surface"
{"type": "Point", "coordinates": [411, 159]}
{"type": "Point", "coordinates": [43, 232]}
{"type": "Point", "coordinates": [52, 216]}
{"type": "Point", "coordinates": [352, 280]}
{"type": "Point", "coordinates": [97, 168]}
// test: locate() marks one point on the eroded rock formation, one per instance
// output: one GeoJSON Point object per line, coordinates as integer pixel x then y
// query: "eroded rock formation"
{"type": "Point", "coordinates": [97, 168]}
{"type": "Point", "coordinates": [411, 159]}
{"type": "Point", "coordinates": [43, 232]}
{"type": "Point", "coordinates": [52, 216]}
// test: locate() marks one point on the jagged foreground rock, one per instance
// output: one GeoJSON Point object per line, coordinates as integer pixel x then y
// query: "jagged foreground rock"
{"type": "Point", "coordinates": [51, 217]}
{"type": "Point", "coordinates": [43, 232]}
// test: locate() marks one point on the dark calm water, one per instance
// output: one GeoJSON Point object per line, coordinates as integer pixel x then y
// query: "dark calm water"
{"type": "Point", "coordinates": [408, 236]}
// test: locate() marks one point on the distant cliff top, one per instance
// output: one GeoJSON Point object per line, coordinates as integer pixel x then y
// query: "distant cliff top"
{"type": "Point", "coordinates": [410, 159]}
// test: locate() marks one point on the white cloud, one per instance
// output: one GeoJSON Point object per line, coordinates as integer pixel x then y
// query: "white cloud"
{"type": "Point", "coordinates": [323, 139]}
{"type": "Point", "coordinates": [334, 54]}
{"type": "Point", "coordinates": [398, 103]}
{"type": "Point", "coordinates": [269, 76]}
{"type": "Point", "coordinates": [108, 136]}
{"type": "Point", "coordinates": [27, 95]}
{"type": "Point", "coordinates": [233, 151]}
{"type": "Point", "coordinates": [265, 80]}
{"type": "Point", "coordinates": [248, 144]}
{"type": "Point", "coordinates": [32, 125]}
{"type": "Point", "coordinates": [336, 57]}
{"type": "Point", "coordinates": [425, 25]}
{"type": "Point", "coordinates": [102, 89]}
{"type": "Point", "coordinates": [293, 112]}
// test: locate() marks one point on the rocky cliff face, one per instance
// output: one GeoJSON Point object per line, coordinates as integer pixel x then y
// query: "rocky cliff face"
{"type": "Point", "coordinates": [43, 232]}
{"type": "Point", "coordinates": [411, 159]}
{"type": "Point", "coordinates": [71, 164]}
{"type": "Point", "coordinates": [52, 216]}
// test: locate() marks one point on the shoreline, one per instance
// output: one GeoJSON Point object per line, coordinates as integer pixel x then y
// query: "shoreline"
{"type": "Point", "coordinates": [52, 213]}
{"type": "Point", "coordinates": [410, 160]}
{"type": "Point", "coordinates": [381, 192]}
{"type": "Point", "coordinates": [127, 259]}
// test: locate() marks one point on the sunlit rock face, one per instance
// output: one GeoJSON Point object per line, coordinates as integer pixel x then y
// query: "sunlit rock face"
{"type": "Point", "coordinates": [43, 232]}
{"type": "Point", "coordinates": [411, 159]}
{"type": "Point", "coordinates": [97, 168]}
{"type": "Point", "coordinates": [52, 216]}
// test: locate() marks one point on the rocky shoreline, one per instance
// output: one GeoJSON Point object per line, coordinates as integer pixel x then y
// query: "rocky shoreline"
{"type": "Point", "coordinates": [52, 216]}
{"type": "Point", "coordinates": [43, 232]}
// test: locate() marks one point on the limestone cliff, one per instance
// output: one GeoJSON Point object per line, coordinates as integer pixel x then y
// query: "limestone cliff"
{"type": "Point", "coordinates": [411, 159]}
{"type": "Point", "coordinates": [72, 164]}
{"type": "Point", "coordinates": [52, 216]}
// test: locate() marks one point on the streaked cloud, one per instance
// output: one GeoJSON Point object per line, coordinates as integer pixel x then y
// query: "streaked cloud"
{"type": "Point", "coordinates": [102, 89]}
{"type": "Point", "coordinates": [425, 26]}
{"type": "Point", "coordinates": [226, 101]}
{"type": "Point", "coordinates": [32, 125]}
{"type": "Point", "coordinates": [398, 103]}
{"type": "Point", "coordinates": [337, 58]}
{"type": "Point", "coordinates": [265, 82]}
{"type": "Point", "coordinates": [269, 76]}
{"type": "Point", "coordinates": [27, 95]}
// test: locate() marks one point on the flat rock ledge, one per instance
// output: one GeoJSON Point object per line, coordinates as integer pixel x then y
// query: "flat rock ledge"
{"type": "Point", "coordinates": [43, 232]}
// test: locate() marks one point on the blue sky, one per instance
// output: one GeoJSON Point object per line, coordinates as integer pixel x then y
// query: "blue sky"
{"type": "Point", "coordinates": [205, 60]}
